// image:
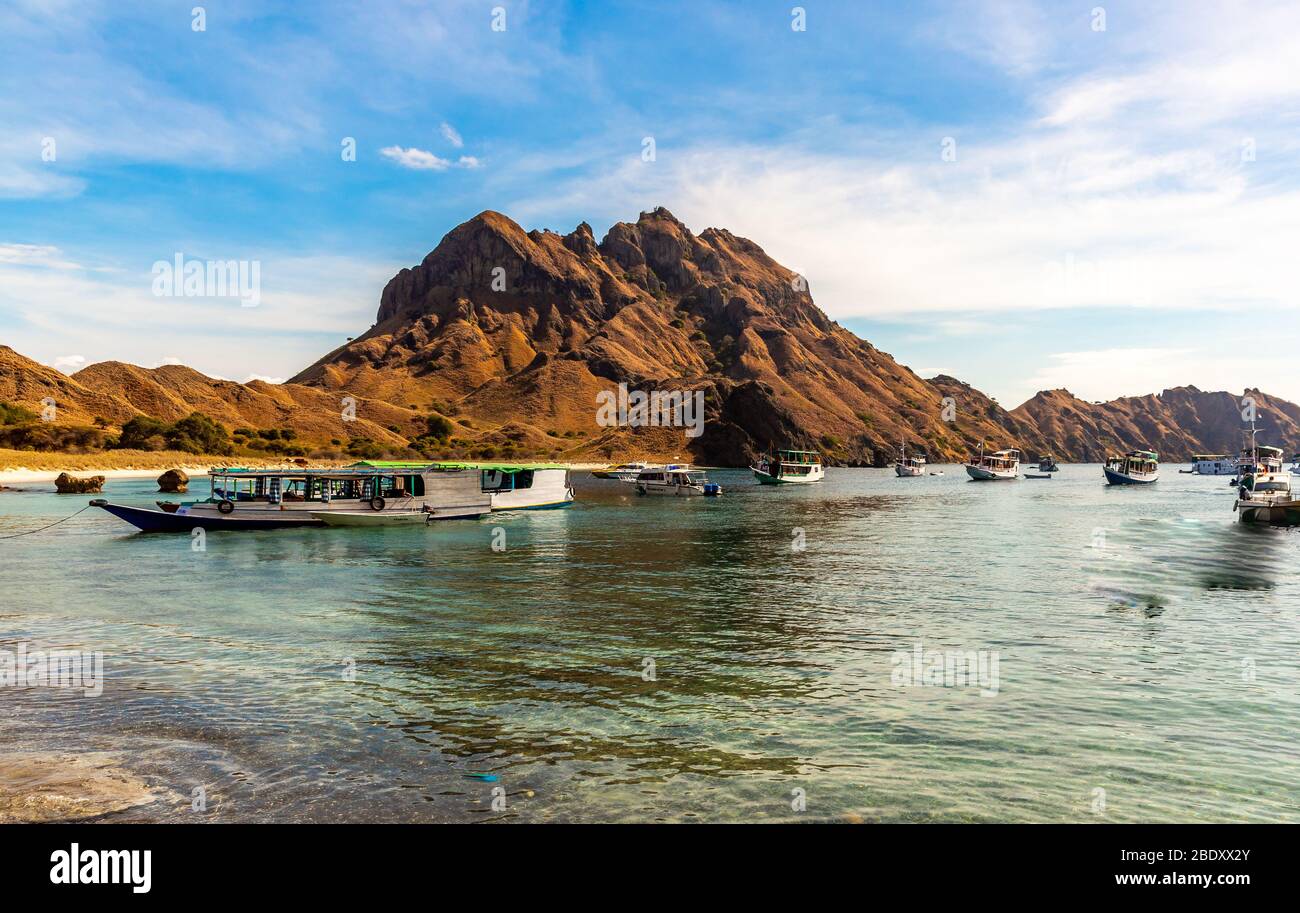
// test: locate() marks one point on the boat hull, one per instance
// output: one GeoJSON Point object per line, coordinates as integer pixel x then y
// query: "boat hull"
{"type": "Point", "coordinates": [372, 519]}
{"type": "Point", "coordinates": [157, 521]}
{"type": "Point", "coordinates": [984, 474]}
{"type": "Point", "coordinates": [1120, 478]}
{"type": "Point", "coordinates": [766, 478]}
{"type": "Point", "coordinates": [908, 472]}
{"type": "Point", "coordinates": [1282, 514]}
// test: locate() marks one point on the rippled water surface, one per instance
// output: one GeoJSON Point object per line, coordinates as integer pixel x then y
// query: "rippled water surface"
{"type": "Point", "coordinates": [663, 659]}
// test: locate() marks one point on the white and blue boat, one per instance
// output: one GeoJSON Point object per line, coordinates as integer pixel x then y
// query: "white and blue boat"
{"type": "Point", "coordinates": [510, 486]}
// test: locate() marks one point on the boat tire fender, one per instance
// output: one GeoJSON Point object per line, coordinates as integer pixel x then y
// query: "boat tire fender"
{"type": "Point", "coordinates": [225, 506]}
{"type": "Point", "coordinates": [377, 503]}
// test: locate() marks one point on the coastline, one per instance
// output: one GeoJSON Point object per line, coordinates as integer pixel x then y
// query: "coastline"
{"type": "Point", "coordinates": [26, 466]}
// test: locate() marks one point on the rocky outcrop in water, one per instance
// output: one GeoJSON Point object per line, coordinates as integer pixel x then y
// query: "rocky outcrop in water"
{"type": "Point", "coordinates": [70, 485]}
{"type": "Point", "coordinates": [174, 481]}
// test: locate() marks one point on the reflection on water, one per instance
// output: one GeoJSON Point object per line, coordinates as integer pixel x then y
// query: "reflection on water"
{"type": "Point", "coordinates": [663, 659]}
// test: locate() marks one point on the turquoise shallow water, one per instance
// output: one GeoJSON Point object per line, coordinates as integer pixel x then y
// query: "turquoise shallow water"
{"type": "Point", "coordinates": [1146, 648]}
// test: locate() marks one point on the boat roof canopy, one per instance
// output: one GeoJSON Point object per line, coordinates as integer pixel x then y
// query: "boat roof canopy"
{"type": "Point", "coordinates": [455, 464]}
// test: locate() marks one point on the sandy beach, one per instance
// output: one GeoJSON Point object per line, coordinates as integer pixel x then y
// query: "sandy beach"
{"type": "Point", "coordinates": [24, 466]}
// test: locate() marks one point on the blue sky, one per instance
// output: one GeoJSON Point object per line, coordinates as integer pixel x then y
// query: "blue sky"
{"type": "Point", "coordinates": [1115, 213]}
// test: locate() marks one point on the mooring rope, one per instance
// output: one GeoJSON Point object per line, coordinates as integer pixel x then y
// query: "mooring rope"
{"type": "Point", "coordinates": [43, 528]}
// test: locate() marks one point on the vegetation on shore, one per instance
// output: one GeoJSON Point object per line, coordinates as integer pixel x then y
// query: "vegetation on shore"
{"type": "Point", "coordinates": [28, 442]}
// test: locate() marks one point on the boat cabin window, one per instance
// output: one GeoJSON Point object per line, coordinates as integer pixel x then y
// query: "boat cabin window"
{"type": "Point", "coordinates": [497, 480]}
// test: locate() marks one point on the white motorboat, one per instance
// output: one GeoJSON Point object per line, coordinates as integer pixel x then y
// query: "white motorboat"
{"type": "Point", "coordinates": [999, 466]}
{"type": "Point", "coordinates": [1137, 467]}
{"type": "Point", "coordinates": [789, 467]}
{"type": "Point", "coordinates": [676, 481]}
{"type": "Point", "coordinates": [1267, 498]}
{"type": "Point", "coordinates": [909, 467]}
{"type": "Point", "coordinates": [623, 472]}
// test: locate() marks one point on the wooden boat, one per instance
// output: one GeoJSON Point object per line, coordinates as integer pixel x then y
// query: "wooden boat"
{"type": "Point", "coordinates": [251, 499]}
{"type": "Point", "coordinates": [1000, 466]}
{"type": "Point", "coordinates": [510, 486]}
{"type": "Point", "coordinates": [1259, 458]}
{"type": "Point", "coordinates": [677, 482]}
{"type": "Point", "coordinates": [909, 467]}
{"type": "Point", "coordinates": [1034, 475]}
{"type": "Point", "coordinates": [1048, 464]}
{"type": "Point", "coordinates": [1137, 467]}
{"type": "Point", "coordinates": [789, 467]}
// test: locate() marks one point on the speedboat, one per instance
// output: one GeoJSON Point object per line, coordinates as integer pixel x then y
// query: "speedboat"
{"type": "Point", "coordinates": [1000, 466]}
{"type": "Point", "coordinates": [789, 467]}
{"type": "Point", "coordinates": [1137, 467]}
{"type": "Point", "coordinates": [677, 481]}
{"type": "Point", "coordinates": [247, 499]}
{"type": "Point", "coordinates": [909, 467]}
{"type": "Point", "coordinates": [623, 472]}
{"type": "Point", "coordinates": [1267, 498]}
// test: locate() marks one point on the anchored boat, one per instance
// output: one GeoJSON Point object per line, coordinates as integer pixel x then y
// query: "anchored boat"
{"type": "Point", "coordinates": [1137, 467]}
{"type": "Point", "coordinates": [1267, 498]}
{"type": "Point", "coordinates": [677, 481]}
{"type": "Point", "coordinates": [1212, 464]}
{"type": "Point", "coordinates": [789, 467]}
{"type": "Point", "coordinates": [909, 467]}
{"type": "Point", "coordinates": [511, 486]}
{"type": "Point", "coordinates": [1048, 464]}
{"type": "Point", "coordinates": [623, 472]}
{"type": "Point", "coordinates": [1000, 466]}
{"type": "Point", "coordinates": [248, 499]}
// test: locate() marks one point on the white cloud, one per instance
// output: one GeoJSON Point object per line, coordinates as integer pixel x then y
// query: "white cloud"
{"type": "Point", "coordinates": [422, 160]}
{"type": "Point", "coordinates": [69, 364]}
{"type": "Point", "coordinates": [263, 377]}
{"type": "Point", "coordinates": [451, 135]}
{"type": "Point", "coordinates": [419, 159]}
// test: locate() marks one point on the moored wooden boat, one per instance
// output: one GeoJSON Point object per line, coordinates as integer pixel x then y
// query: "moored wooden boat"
{"type": "Point", "coordinates": [789, 467]}
{"type": "Point", "coordinates": [1137, 467]}
{"type": "Point", "coordinates": [251, 499]}
{"type": "Point", "coordinates": [906, 467]}
{"type": "Point", "coordinates": [999, 466]}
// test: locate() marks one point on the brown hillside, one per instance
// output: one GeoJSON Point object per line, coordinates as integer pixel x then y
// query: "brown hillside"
{"type": "Point", "coordinates": [653, 306]}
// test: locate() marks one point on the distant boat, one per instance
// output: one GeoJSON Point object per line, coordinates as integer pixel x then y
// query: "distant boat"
{"type": "Point", "coordinates": [1000, 466]}
{"type": "Point", "coordinates": [1212, 464]}
{"type": "Point", "coordinates": [909, 467]}
{"type": "Point", "coordinates": [623, 472]}
{"type": "Point", "coordinates": [1048, 464]}
{"type": "Point", "coordinates": [1295, 464]}
{"type": "Point", "coordinates": [1034, 475]}
{"type": "Point", "coordinates": [1258, 459]}
{"type": "Point", "coordinates": [787, 467]}
{"type": "Point", "coordinates": [1137, 467]}
{"type": "Point", "coordinates": [676, 481]}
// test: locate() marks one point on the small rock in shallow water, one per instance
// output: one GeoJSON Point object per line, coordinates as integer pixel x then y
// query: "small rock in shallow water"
{"type": "Point", "coordinates": [44, 787]}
